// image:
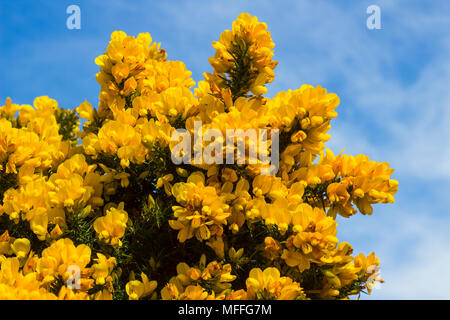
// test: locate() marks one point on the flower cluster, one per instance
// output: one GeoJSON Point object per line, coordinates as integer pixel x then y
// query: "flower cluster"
{"type": "Point", "coordinates": [243, 59]}
{"type": "Point", "coordinates": [27, 275]}
{"type": "Point", "coordinates": [106, 213]}
{"type": "Point", "coordinates": [202, 212]}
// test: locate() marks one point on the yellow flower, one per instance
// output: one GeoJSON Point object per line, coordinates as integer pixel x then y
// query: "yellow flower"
{"type": "Point", "coordinates": [14, 285]}
{"type": "Point", "coordinates": [229, 175]}
{"type": "Point", "coordinates": [363, 181]}
{"type": "Point", "coordinates": [314, 239]}
{"type": "Point", "coordinates": [56, 232]}
{"type": "Point", "coordinates": [9, 109]}
{"type": "Point", "coordinates": [368, 267]}
{"type": "Point", "coordinates": [235, 256]}
{"type": "Point", "coordinates": [272, 248]}
{"type": "Point", "coordinates": [202, 212]}
{"type": "Point", "coordinates": [103, 295]}
{"type": "Point", "coordinates": [216, 276]}
{"type": "Point", "coordinates": [155, 132]}
{"type": "Point", "coordinates": [268, 284]}
{"type": "Point", "coordinates": [103, 268]}
{"type": "Point", "coordinates": [69, 294]}
{"type": "Point", "coordinates": [170, 292]}
{"type": "Point", "coordinates": [21, 247]}
{"type": "Point", "coordinates": [120, 138]}
{"type": "Point", "coordinates": [111, 227]}
{"type": "Point", "coordinates": [85, 111]}
{"type": "Point", "coordinates": [306, 114]}
{"type": "Point", "coordinates": [38, 225]}
{"type": "Point", "coordinates": [175, 101]}
{"type": "Point", "coordinates": [140, 289]}
{"type": "Point", "coordinates": [165, 181]}
{"type": "Point", "coordinates": [63, 258]}
{"type": "Point", "coordinates": [5, 243]}
{"type": "Point", "coordinates": [248, 43]}
{"type": "Point", "coordinates": [120, 71]}
{"type": "Point", "coordinates": [194, 293]}
{"type": "Point", "coordinates": [30, 263]}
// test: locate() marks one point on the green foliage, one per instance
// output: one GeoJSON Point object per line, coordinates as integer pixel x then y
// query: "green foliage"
{"type": "Point", "coordinates": [68, 124]}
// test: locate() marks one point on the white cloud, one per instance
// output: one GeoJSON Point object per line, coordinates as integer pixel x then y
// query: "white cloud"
{"type": "Point", "coordinates": [412, 247]}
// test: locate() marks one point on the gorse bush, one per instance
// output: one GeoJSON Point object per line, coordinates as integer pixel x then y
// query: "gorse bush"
{"type": "Point", "coordinates": [107, 213]}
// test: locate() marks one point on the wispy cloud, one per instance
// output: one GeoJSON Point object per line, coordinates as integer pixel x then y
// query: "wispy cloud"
{"type": "Point", "coordinates": [413, 251]}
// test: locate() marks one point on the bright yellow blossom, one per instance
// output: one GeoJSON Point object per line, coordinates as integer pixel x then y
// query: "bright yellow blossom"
{"type": "Point", "coordinates": [111, 227]}
{"type": "Point", "coordinates": [21, 247]}
{"type": "Point", "coordinates": [268, 284]}
{"type": "Point", "coordinates": [139, 289]}
{"type": "Point", "coordinates": [202, 212]}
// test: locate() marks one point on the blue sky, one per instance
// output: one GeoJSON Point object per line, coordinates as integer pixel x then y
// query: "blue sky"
{"type": "Point", "coordinates": [393, 84]}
